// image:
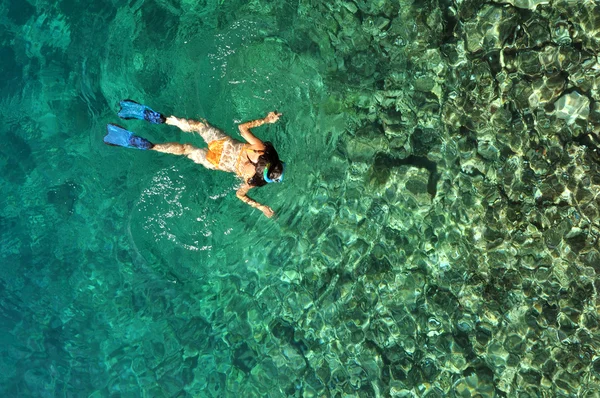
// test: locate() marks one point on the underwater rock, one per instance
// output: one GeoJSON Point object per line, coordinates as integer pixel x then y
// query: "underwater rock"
{"type": "Point", "coordinates": [561, 33]}
{"type": "Point", "coordinates": [491, 28]}
{"type": "Point", "coordinates": [375, 26]}
{"type": "Point", "coordinates": [47, 32]}
{"type": "Point", "coordinates": [363, 149]}
{"type": "Point", "coordinates": [474, 383]}
{"type": "Point", "coordinates": [18, 161]}
{"type": "Point", "coordinates": [546, 89]}
{"type": "Point", "coordinates": [528, 63]}
{"type": "Point", "coordinates": [423, 140]}
{"type": "Point", "coordinates": [527, 4]}
{"type": "Point", "coordinates": [63, 197]}
{"type": "Point", "coordinates": [12, 71]}
{"type": "Point", "coordinates": [417, 181]}
{"type": "Point", "coordinates": [488, 150]}
{"type": "Point", "coordinates": [586, 23]}
{"type": "Point", "coordinates": [536, 31]}
{"type": "Point", "coordinates": [572, 106]}
{"type": "Point", "coordinates": [20, 11]}
{"type": "Point", "coordinates": [375, 7]}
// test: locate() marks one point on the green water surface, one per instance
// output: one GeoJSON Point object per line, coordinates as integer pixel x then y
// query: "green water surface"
{"type": "Point", "coordinates": [436, 233]}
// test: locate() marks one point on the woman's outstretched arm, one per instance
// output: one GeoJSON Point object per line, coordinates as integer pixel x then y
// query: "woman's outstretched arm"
{"type": "Point", "coordinates": [242, 195]}
{"type": "Point", "coordinates": [272, 117]}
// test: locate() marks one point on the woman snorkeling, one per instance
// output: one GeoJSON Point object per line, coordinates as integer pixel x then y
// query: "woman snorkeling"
{"type": "Point", "coordinates": [255, 162]}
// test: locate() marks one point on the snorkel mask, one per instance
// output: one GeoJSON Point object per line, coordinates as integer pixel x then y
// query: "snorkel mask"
{"type": "Point", "coordinates": [278, 179]}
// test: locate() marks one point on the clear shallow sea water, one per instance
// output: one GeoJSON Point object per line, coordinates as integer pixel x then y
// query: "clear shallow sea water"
{"type": "Point", "coordinates": [436, 234]}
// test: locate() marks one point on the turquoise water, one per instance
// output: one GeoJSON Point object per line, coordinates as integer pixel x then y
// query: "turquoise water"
{"type": "Point", "coordinates": [436, 234]}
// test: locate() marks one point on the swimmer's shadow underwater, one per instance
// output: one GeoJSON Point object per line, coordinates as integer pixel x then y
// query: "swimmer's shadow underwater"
{"type": "Point", "coordinates": [255, 162]}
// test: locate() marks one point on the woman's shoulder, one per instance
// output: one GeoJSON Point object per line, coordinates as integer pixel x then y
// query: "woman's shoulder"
{"type": "Point", "coordinates": [258, 147]}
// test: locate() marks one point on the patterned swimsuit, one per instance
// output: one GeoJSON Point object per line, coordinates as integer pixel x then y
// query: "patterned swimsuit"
{"type": "Point", "coordinates": [223, 152]}
{"type": "Point", "coordinates": [226, 154]}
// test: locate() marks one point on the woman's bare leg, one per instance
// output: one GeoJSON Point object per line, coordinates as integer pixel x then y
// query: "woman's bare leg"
{"type": "Point", "coordinates": [208, 132]}
{"type": "Point", "coordinates": [186, 125]}
{"type": "Point", "coordinates": [197, 155]}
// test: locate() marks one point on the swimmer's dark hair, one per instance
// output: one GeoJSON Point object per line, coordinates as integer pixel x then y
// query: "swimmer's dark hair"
{"type": "Point", "coordinates": [269, 158]}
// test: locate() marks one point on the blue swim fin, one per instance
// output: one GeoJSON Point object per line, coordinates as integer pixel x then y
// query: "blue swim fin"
{"type": "Point", "coordinates": [118, 136]}
{"type": "Point", "coordinates": [132, 110]}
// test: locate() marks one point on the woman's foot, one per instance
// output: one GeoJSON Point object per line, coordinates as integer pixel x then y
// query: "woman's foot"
{"type": "Point", "coordinates": [183, 124]}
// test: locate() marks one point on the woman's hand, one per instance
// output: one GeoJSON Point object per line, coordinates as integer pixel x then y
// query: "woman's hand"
{"type": "Point", "coordinates": [267, 211]}
{"type": "Point", "coordinates": [272, 117]}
